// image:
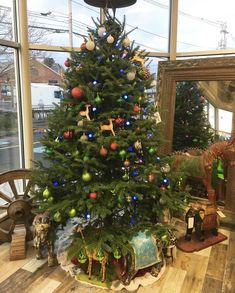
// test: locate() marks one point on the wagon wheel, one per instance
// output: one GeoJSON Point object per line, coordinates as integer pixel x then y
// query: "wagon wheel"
{"type": "Point", "coordinates": [15, 203]}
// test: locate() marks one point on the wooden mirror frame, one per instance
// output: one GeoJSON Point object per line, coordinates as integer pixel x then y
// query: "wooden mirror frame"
{"type": "Point", "coordinates": [170, 72]}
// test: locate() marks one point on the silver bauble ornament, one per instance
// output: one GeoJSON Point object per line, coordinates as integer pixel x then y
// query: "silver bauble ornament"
{"type": "Point", "coordinates": [130, 75]}
{"type": "Point", "coordinates": [90, 45]}
{"type": "Point", "coordinates": [101, 31]}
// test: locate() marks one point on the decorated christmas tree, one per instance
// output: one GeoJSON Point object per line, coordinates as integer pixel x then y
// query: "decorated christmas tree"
{"type": "Point", "coordinates": [102, 164]}
{"type": "Point", "coordinates": [191, 126]}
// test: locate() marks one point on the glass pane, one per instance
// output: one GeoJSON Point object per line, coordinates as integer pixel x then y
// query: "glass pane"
{"type": "Point", "coordinates": [205, 25]}
{"type": "Point", "coordinates": [225, 123]}
{"type": "Point", "coordinates": [151, 20]}
{"type": "Point", "coordinates": [211, 110]}
{"type": "Point", "coordinates": [9, 140]}
{"type": "Point", "coordinates": [49, 22]}
{"type": "Point", "coordinates": [6, 28]}
{"type": "Point", "coordinates": [46, 89]}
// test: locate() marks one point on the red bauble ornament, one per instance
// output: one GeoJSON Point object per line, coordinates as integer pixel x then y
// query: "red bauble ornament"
{"type": "Point", "coordinates": [83, 46]}
{"type": "Point", "coordinates": [93, 195]}
{"type": "Point", "coordinates": [103, 152]}
{"type": "Point", "coordinates": [119, 121]}
{"type": "Point", "coordinates": [67, 63]}
{"type": "Point", "coordinates": [113, 146]}
{"type": "Point", "coordinates": [74, 261]}
{"type": "Point", "coordinates": [136, 109]}
{"type": "Point", "coordinates": [68, 134]}
{"type": "Point", "coordinates": [201, 99]}
{"type": "Point", "coordinates": [77, 92]}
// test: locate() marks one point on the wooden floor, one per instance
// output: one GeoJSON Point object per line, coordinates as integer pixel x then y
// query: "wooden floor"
{"type": "Point", "coordinates": [211, 270]}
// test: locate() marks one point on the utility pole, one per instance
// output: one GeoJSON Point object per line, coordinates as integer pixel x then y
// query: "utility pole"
{"type": "Point", "coordinates": [223, 41]}
{"type": "Point", "coordinates": [70, 23]}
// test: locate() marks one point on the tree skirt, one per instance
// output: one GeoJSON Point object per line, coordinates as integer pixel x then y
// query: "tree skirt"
{"type": "Point", "coordinates": [195, 245]}
{"type": "Point", "coordinates": [64, 241]}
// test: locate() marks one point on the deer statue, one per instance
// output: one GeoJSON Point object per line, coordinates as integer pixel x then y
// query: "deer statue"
{"type": "Point", "coordinates": [108, 127]}
{"type": "Point", "coordinates": [86, 112]}
{"type": "Point", "coordinates": [92, 255]}
{"type": "Point", "coordinates": [137, 58]}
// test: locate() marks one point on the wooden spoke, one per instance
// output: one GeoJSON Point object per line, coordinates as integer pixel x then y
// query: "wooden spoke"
{"type": "Point", "coordinates": [5, 197]}
{"type": "Point", "coordinates": [4, 207]}
{"type": "Point", "coordinates": [13, 188]}
{"type": "Point", "coordinates": [27, 188]}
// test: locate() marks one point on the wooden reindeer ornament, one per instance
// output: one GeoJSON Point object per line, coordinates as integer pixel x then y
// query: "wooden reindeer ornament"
{"type": "Point", "coordinates": [92, 255]}
{"type": "Point", "coordinates": [139, 59]}
{"type": "Point", "coordinates": [108, 127]}
{"type": "Point", "coordinates": [85, 113]}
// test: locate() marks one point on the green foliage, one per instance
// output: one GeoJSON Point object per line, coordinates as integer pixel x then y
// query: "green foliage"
{"type": "Point", "coordinates": [191, 126]}
{"type": "Point", "coordinates": [127, 200]}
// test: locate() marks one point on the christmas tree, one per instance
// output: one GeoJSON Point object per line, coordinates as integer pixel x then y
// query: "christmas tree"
{"type": "Point", "coordinates": [191, 126]}
{"type": "Point", "coordinates": [101, 148]}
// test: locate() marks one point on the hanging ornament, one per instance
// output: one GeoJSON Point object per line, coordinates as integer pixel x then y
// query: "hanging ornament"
{"type": "Point", "coordinates": [128, 123]}
{"type": "Point", "coordinates": [88, 215]}
{"type": "Point", "coordinates": [130, 75]}
{"type": "Point", "coordinates": [130, 149]}
{"type": "Point", "coordinates": [126, 42]}
{"type": "Point", "coordinates": [80, 123]}
{"type": "Point", "coordinates": [90, 45]}
{"type": "Point", "coordinates": [82, 258]}
{"type": "Point", "coordinates": [117, 253]}
{"type": "Point", "coordinates": [86, 176]}
{"type": "Point", "coordinates": [144, 73]}
{"type": "Point", "coordinates": [110, 39]}
{"type": "Point", "coordinates": [68, 134]}
{"type": "Point", "coordinates": [125, 96]}
{"type": "Point", "coordinates": [56, 183]}
{"type": "Point", "coordinates": [57, 217]}
{"type": "Point", "coordinates": [108, 127]}
{"type": "Point", "coordinates": [101, 31]}
{"type": "Point", "coordinates": [90, 135]}
{"type": "Point", "coordinates": [165, 181]}
{"type": "Point", "coordinates": [152, 150]}
{"type": "Point", "coordinates": [93, 195]}
{"type": "Point", "coordinates": [46, 193]}
{"type": "Point", "coordinates": [97, 100]}
{"type": "Point", "coordinates": [83, 137]}
{"type": "Point", "coordinates": [122, 154]}
{"type": "Point", "coordinates": [135, 198]}
{"type": "Point", "coordinates": [165, 168]}
{"type": "Point", "coordinates": [134, 173]}
{"type": "Point", "coordinates": [126, 163]}
{"type": "Point", "coordinates": [128, 198]}
{"type": "Point", "coordinates": [72, 213]}
{"type": "Point", "coordinates": [151, 177]}
{"type": "Point", "coordinates": [83, 46]}
{"type": "Point", "coordinates": [50, 199]}
{"type": "Point", "coordinates": [77, 92]}
{"type": "Point", "coordinates": [67, 63]}
{"type": "Point", "coordinates": [138, 59]}
{"type": "Point", "coordinates": [119, 121]}
{"type": "Point", "coordinates": [113, 146]}
{"type": "Point", "coordinates": [103, 152]}
{"type": "Point", "coordinates": [136, 108]}
{"type": "Point", "coordinates": [125, 177]}
{"type": "Point", "coordinates": [138, 146]}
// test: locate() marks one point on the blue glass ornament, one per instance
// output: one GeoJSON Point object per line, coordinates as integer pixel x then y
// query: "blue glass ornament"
{"type": "Point", "coordinates": [121, 71]}
{"type": "Point", "coordinates": [93, 109]}
{"type": "Point", "coordinates": [60, 138]}
{"type": "Point", "coordinates": [145, 111]}
{"type": "Point", "coordinates": [128, 123]}
{"type": "Point", "coordinates": [125, 97]}
{"type": "Point", "coordinates": [135, 198]}
{"type": "Point", "coordinates": [130, 150]}
{"type": "Point", "coordinates": [165, 181]}
{"type": "Point", "coordinates": [157, 159]}
{"type": "Point", "coordinates": [55, 182]}
{"type": "Point", "coordinates": [86, 188]}
{"type": "Point", "coordinates": [133, 221]}
{"type": "Point", "coordinates": [90, 135]}
{"type": "Point", "coordinates": [88, 216]}
{"type": "Point", "coordinates": [134, 173]}
{"type": "Point", "coordinates": [94, 82]}
{"type": "Point", "coordinates": [150, 135]}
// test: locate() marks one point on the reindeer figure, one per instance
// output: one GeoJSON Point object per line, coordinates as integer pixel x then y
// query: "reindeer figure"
{"type": "Point", "coordinates": [92, 255]}
{"type": "Point", "coordinates": [108, 127]}
{"type": "Point", "coordinates": [86, 112]}
{"type": "Point", "coordinates": [137, 58]}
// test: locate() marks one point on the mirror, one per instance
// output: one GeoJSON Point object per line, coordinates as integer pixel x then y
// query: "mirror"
{"type": "Point", "coordinates": [219, 73]}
